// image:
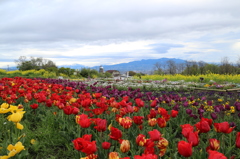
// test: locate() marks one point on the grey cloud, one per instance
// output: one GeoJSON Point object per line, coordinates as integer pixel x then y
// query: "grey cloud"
{"type": "Point", "coordinates": [93, 20]}
{"type": "Point", "coordinates": [59, 25]}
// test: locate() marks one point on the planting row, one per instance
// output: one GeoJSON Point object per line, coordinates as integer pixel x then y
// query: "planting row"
{"type": "Point", "coordinates": [42, 115]}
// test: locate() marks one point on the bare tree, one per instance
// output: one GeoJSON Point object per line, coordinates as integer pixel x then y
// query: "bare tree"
{"type": "Point", "coordinates": [238, 62]}
{"type": "Point", "coordinates": [225, 66]}
{"type": "Point", "coordinates": [21, 60]}
{"type": "Point", "coordinates": [158, 68]}
{"type": "Point", "coordinates": [171, 67]}
{"type": "Point", "coordinates": [180, 67]}
{"type": "Point", "coordinates": [201, 66]}
{"type": "Point", "coordinates": [188, 67]}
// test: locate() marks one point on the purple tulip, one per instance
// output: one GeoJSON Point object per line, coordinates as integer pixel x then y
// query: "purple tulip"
{"type": "Point", "coordinates": [185, 104]}
{"type": "Point", "coordinates": [217, 109]}
{"type": "Point", "coordinates": [189, 111]}
{"type": "Point", "coordinates": [201, 110]}
{"type": "Point", "coordinates": [191, 98]}
{"type": "Point", "coordinates": [176, 107]}
{"type": "Point", "coordinates": [209, 103]}
{"type": "Point", "coordinates": [237, 105]}
{"type": "Point", "coordinates": [227, 107]}
{"type": "Point", "coordinates": [194, 116]}
{"type": "Point", "coordinates": [195, 104]}
{"type": "Point", "coordinates": [184, 98]}
{"type": "Point", "coordinates": [232, 124]}
{"type": "Point", "coordinates": [214, 116]}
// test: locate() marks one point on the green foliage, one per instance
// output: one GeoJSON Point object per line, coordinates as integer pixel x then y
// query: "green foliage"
{"type": "Point", "coordinates": [67, 71]}
{"type": "Point", "coordinates": [89, 73]}
{"type": "Point", "coordinates": [131, 73]}
{"type": "Point", "coordinates": [38, 63]}
{"type": "Point", "coordinates": [3, 72]}
{"type": "Point", "coordinates": [158, 72]}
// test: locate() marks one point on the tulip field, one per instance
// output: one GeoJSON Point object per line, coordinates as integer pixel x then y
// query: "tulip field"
{"type": "Point", "coordinates": [63, 119]}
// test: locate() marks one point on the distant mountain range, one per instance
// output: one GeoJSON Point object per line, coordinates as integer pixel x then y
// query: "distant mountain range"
{"type": "Point", "coordinates": [144, 66]}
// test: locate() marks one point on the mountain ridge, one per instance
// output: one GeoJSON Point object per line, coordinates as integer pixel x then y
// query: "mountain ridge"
{"type": "Point", "coordinates": [144, 65]}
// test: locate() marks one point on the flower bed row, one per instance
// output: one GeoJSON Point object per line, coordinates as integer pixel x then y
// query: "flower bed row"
{"type": "Point", "coordinates": [98, 122]}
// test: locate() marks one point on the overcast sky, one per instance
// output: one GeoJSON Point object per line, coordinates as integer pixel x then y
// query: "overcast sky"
{"type": "Point", "coordinates": [100, 32]}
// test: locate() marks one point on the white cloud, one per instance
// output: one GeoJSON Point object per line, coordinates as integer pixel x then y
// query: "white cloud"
{"type": "Point", "coordinates": [236, 46]}
{"type": "Point", "coordinates": [96, 32]}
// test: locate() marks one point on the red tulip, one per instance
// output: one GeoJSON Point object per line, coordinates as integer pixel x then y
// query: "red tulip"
{"type": "Point", "coordinates": [214, 144]}
{"type": "Point", "coordinates": [186, 129]}
{"type": "Point", "coordinates": [141, 140]}
{"type": "Point", "coordinates": [161, 122]}
{"type": "Point", "coordinates": [153, 103]}
{"type": "Point", "coordinates": [101, 125]}
{"type": "Point", "coordinates": [154, 135]}
{"type": "Point", "coordinates": [106, 145]}
{"type": "Point", "coordinates": [152, 114]}
{"type": "Point", "coordinates": [162, 111]}
{"type": "Point", "coordinates": [138, 120]}
{"type": "Point", "coordinates": [125, 122]}
{"type": "Point", "coordinates": [193, 138]}
{"type": "Point", "coordinates": [162, 152]}
{"type": "Point", "coordinates": [68, 110]}
{"type": "Point", "coordinates": [185, 148]}
{"type": "Point", "coordinates": [75, 111]}
{"type": "Point", "coordinates": [87, 137]}
{"type": "Point", "coordinates": [83, 120]}
{"type": "Point", "coordinates": [97, 95]}
{"type": "Point", "coordinates": [216, 155]}
{"type": "Point", "coordinates": [146, 156]}
{"type": "Point", "coordinates": [85, 123]}
{"type": "Point", "coordinates": [91, 156]}
{"type": "Point", "coordinates": [85, 145]}
{"type": "Point", "coordinates": [203, 126]}
{"type": "Point", "coordinates": [238, 140]}
{"type": "Point", "coordinates": [149, 147]}
{"type": "Point", "coordinates": [162, 143]}
{"type": "Point", "coordinates": [174, 113]}
{"type": "Point", "coordinates": [139, 102]}
{"type": "Point", "coordinates": [89, 147]}
{"type": "Point", "coordinates": [115, 133]}
{"type": "Point", "coordinates": [34, 106]}
{"type": "Point", "coordinates": [49, 103]}
{"type": "Point", "coordinates": [223, 127]}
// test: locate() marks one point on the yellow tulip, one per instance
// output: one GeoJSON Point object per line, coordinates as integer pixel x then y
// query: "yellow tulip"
{"type": "Point", "coordinates": [19, 126]}
{"type": "Point", "coordinates": [113, 155]}
{"type": "Point", "coordinates": [14, 149]}
{"type": "Point", "coordinates": [4, 157]}
{"type": "Point", "coordinates": [33, 141]}
{"type": "Point", "coordinates": [15, 109]}
{"type": "Point", "coordinates": [4, 108]}
{"type": "Point", "coordinates": [16, 117]}
{"type": "Point", "coordinates": [5, 105]}
{"type": "Point", "coordinates": [125, 146]}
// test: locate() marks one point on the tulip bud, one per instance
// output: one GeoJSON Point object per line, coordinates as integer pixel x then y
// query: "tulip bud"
{"type": "Point", "coordinates": [125, 146]}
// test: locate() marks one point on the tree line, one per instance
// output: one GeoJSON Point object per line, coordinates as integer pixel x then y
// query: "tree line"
{"type": "Point", "coordinates": [24, 64]}
{"type": "Point", "coordinates": [191, 67]}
